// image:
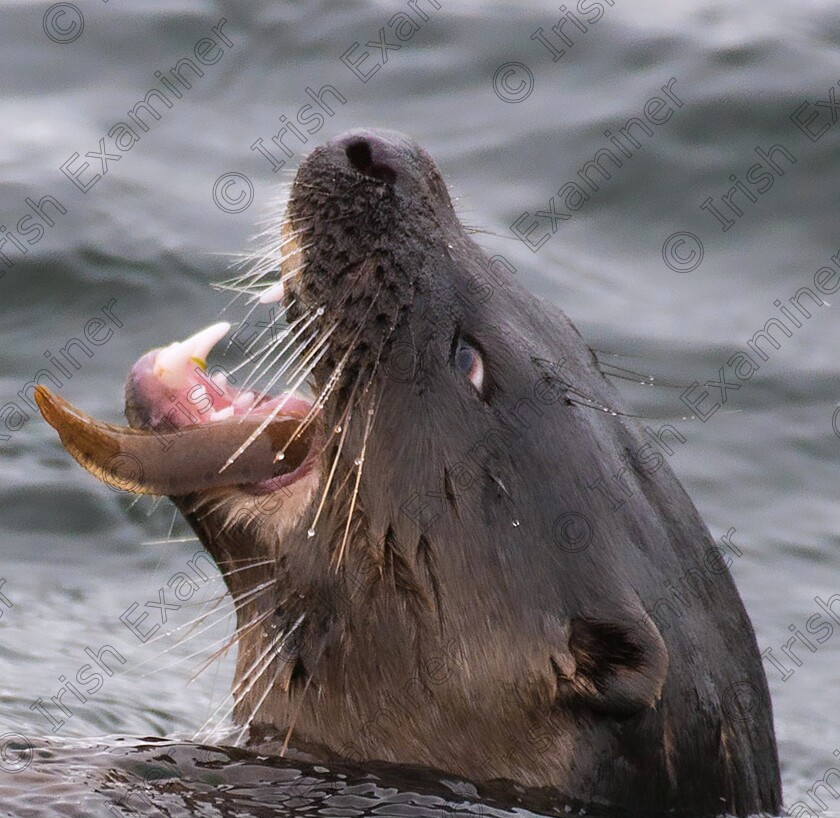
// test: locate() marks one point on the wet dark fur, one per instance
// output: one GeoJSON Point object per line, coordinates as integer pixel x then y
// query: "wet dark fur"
{"type": "Point", "coordinates": [475, 643]}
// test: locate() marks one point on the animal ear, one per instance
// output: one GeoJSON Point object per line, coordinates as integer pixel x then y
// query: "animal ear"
{"type": "Point", "coordinates": [617, 668]}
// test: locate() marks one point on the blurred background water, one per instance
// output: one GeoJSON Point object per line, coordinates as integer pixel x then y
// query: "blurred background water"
{"type": "Point", "coordinates": [149, 237]}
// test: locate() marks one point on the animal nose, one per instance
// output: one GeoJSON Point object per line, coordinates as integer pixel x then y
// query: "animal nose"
{"type": "Point", "coordinates": [372, 155]}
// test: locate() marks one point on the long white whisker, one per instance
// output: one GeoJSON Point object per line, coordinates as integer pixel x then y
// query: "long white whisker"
{"type": "Point", "coordinates": [326, 490]}
{"type": "Point", "coordinates": [271, 415]}
{"type": "Point", "coordinates": [232, 640]}
{"type": "Point", "coordinates": [255, 375]}
{"type": "Point", "coordinates": [225, 638]}
{"type": "Point", "coordinates": [304, 361]}
{"type": "Point", "coordinates": [277, 643]}
{"type": "Point", "coordinates": [268, 688]}
{"type": "Point", "coordinates": [360, 465]}
{"type": "Point", "coordinates": [237, 601]}
{"type": "Point", "coordinates": [271, 346]}
{"type": "Point", "coordinates": [257, 662]}
{"type": "Point", "coordinates": [291, 360]}
{"type": "Point", "coordinates": [315, 409]}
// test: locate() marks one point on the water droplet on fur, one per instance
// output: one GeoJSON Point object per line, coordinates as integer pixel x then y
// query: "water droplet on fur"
{"type": "Point", "coordinates": [280, 456]}
{"type": "Point", "coordinates": [310, 533]}
{"type": "Point", "coordinates": [614, 414]}
{"type": "Point", "coordinates": [337, 429]}
{"type": "Point", "coordinates": [358, 461]}
{"type": "Point", "coordinates": [516, 523]}
{"type": "Point", "coordinates": [370, 411]}
{"type": "Point", "coordinates": [319, 312]}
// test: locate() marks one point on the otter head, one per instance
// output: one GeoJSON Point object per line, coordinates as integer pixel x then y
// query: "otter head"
{"type": "Point", "coordinates": [433, 549]}
{"type": "Point", "coordinates": [435, 578]}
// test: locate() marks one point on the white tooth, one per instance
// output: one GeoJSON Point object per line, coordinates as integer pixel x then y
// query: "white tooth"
{"type": "Point", "coordinates": [173, 361]}
{"type": "Point", "coordinates": [203, 341]}
{"type": "Point", "coordinates": [220, 379]}
{"type": "Point", "coordinates": [244, 400]}
{"type": "Point", "coordinates": [273, 294]}
{"type": "Point", "coordinates": [221, 414]}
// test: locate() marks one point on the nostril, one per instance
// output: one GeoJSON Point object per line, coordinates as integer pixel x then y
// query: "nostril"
{"type": "Point", "coordinates": [361, 157]}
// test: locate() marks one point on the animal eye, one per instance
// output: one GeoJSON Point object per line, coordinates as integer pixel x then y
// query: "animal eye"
{"type": "Point", "coordinates": [467, 361]}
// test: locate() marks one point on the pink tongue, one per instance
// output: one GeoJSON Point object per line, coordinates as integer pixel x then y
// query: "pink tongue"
{"type": "Point", "coordinates": [173, 386]}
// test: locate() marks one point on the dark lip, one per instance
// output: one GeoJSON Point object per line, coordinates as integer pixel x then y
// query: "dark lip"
{"type": "Point", "coordinates": [286, 480]}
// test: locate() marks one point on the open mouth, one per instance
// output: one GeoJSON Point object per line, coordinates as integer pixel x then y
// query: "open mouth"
{"type": "Point", "coordinates": [191, 429]}
{"type": "Point", "coordinates": [172, 388]}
